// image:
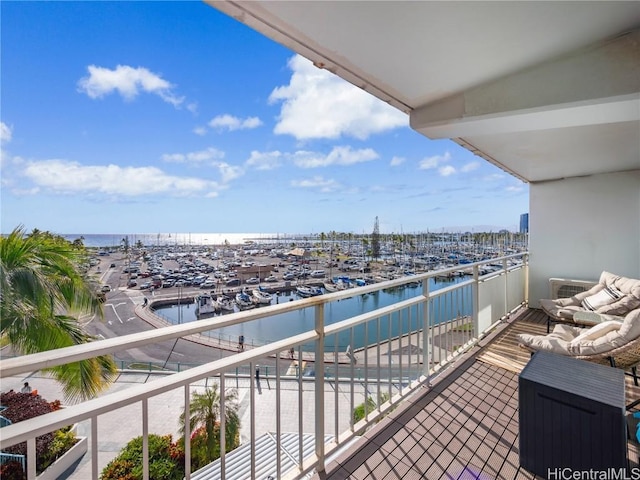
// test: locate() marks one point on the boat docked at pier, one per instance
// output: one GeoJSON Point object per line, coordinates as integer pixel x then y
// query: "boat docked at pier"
{"type": "Point", "coordinates": [225, 304]}
{"type": "Point", "coordinates": [305, 291]}
{"type": "Point", "coordinates": [243, 300]}
{"type": "Point", "coordinates": [261, 297]}
{"type": "Point", "coordinates": [338, 284]}
{"type": "Point", "coordinates": [205, 305]}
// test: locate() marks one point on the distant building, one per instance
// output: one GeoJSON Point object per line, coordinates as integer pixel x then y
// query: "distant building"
{"type": "Point", "coordinates": [524, 223]}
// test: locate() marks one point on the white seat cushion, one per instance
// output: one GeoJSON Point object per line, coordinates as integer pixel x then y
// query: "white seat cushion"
{"type": "Point", "coordinates": [597, 331]}
{"type": "Point", "coordinates": [604, 297]}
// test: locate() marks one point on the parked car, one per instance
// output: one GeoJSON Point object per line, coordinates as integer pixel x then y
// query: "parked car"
{"type": "Point", "coordinates": [252, 281]}
{"type": "Point", "coordinates": [234, 282]}
{"type": "Point", "coordinates": [131, 283]}
{"type": "Point", "coordinates": [146, 285]}
{"type": "Point", "coordinates": [105, 288]}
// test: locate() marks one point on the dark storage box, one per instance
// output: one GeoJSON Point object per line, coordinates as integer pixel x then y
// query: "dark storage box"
{"type": "Point", "coordinates": [572, 415]}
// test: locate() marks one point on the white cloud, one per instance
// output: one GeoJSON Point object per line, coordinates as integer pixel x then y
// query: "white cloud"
{"type": "Point", "coordinates": [470, 167]}
{"type": "Point", "coordinates": [202, 131]}
{"type": "Point", "coordinates": [194, 157]}
{"type": "Point", "coordinates": [397, 161]}
{"type": "Point", "coordinates": [129, 82]}
{"type": "Point", "coordinates": [264, 160]}
{"type": "Point", "coordinates": [229, 122]}
{"type": "Point", "coordinates": [319, 104]}
{"type": "Point", "coordinates": [317, 182]}
{"type": "Point", "coordinates": [64, 177]}
{"type": "Point", "coordinates": [447, 170]}
{"type": "Point", "coordinates": [434, 162]}
{"type": "Point", "coordinates": [493, 177]}
{"type": "Point", "coordinates": [229, 172]}
{"type": "Point", "coordinates": [6, 133]}
{"type": "Point", "coordinates": [338, 156]}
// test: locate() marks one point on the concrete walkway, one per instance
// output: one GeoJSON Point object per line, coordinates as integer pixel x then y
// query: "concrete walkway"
{"type": "Point", "coordinates": [117, 428]}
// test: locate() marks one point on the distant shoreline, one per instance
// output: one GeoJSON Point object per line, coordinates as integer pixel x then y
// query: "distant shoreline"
{"type": "Point", "coordinates": [113, 240]}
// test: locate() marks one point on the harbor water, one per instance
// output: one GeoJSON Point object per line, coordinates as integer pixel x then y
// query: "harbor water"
{"type": "Point", "coordinates": [280, 326]}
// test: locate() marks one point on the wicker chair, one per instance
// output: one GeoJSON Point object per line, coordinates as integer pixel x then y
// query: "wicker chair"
{"type": "Point", "coordinates": [625, 357]}
{"type": "Point", "coordinates": [611, 295]}
{"type": "Point", "coordinates": [613, 341]}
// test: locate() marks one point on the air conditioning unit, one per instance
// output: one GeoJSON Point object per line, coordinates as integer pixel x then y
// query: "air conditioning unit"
{"type": "Point", "coordinates": [565, 288]}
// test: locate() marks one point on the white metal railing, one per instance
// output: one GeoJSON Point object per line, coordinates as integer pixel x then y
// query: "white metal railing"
{"type": "Point", "coordinates": [407, 342]}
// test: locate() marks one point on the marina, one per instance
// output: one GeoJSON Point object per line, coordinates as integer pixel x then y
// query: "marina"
{"type": "Point", "coordinates": [276, 327]}
{"type": "Point", "coordinates": [187, 282]}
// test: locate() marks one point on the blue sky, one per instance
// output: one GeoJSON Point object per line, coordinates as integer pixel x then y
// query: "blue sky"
{"type": "Point", "coordinates": [142, 117]}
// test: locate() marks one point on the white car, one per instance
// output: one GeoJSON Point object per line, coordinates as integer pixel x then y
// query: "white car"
{"type": "Point", "coordinates": [252, 281]}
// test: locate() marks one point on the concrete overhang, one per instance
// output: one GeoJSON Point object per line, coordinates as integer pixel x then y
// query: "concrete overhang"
{"type": "Point", "coordinates": [545, 90]}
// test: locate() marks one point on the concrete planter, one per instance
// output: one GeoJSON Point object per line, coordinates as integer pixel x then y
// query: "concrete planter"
{"type": "Point", "coordinates": [72, 455]}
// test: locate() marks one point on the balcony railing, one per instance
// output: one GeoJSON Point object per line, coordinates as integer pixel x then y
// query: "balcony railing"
{"type": "Point", "coordinates": [406, 343]}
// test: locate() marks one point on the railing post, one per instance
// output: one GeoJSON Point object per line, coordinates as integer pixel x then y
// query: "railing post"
{"type": "Point", "coordinates": [475, 301]}
{"type": "Point", "coordinates": [525, 261]}
{"type": "Point", "coordinates": [252, 429]}
{"type": "Point", "coordinates": [145, 439]}
{"type": "Point", "coordinates": [319, 386]}
{"type": "Point", "coordinates": [223, 428]}
{"type": "Point", "coordinates": [31, 459]}
{"type": "Point", "coordinates": [94, 446]}
{"type": "Point", "coordinates": [507, 309]}
{"type": "Point", "coordinates": [187, 432]}
{"type": "Point", "coordinates": [425, 329]}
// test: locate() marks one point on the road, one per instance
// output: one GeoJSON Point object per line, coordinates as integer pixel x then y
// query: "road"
{"type": "Point", "coordinates": [120, 319]}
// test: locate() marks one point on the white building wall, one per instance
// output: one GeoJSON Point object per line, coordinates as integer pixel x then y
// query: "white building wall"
{"type": "Point", "coordinates": [581, 226]}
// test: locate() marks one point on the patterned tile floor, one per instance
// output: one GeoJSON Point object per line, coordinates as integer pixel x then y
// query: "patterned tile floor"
{"type": "Point", "coordinates": [464, 427]}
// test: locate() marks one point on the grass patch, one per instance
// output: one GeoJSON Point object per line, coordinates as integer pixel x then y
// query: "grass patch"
{"type": "Point", "coordinates": [467, 327]}
{"type": "Point", "coordinates": [146, 367]}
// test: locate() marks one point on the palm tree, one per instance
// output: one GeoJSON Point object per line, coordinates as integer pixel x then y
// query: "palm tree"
{"type": "Point", "coordinates": [204, 411]}
{"type": "Point", "coordinates": [42, 292]}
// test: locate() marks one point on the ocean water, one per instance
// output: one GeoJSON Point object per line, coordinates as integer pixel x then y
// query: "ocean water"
{"type": "Point", "coordinates": [173, 239]}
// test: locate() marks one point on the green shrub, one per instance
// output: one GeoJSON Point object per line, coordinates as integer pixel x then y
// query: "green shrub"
{"type": "Point", "coordinates": [50, 446]}
{"type": "Point", "coordinates": [166, 460]}
{"type": "Point", "coordinates": [12, 471]}
{"type": "Point", "coordinates": [199, 454]}
{"type": "Point", "coordinates": [359, 412]}
{"type": "Point", "coordinates": [62, 441]}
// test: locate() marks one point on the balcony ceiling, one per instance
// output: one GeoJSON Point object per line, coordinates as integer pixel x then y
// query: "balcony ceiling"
{"type": "Point", "coordinates": [545, 90]}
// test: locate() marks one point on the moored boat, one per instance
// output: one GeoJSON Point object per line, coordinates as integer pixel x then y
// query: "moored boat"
{"type": "Point", "coordinates": [305, 291]}
{"type": "Point", "coordinates": [243, 300]}
{"type": "Point", "coordinates": [205, 305]}
{"type": "Point", "coordinates": [261, 297]}
{"type": "Point", "coordinates": [225, 304]}
{"type": "Point", "coordinates": [338, 284]}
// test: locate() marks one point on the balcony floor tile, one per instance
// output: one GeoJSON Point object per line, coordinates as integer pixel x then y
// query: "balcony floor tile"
{"type": "Point", "coordinates": [463, 427]}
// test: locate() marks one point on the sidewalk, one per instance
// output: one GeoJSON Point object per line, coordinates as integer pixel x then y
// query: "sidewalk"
{"type": "Point", "coordinates": [117, 428]}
